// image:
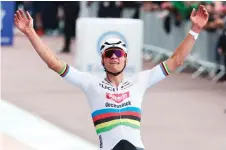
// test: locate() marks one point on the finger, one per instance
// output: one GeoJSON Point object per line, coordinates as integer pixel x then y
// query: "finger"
{"type": "Point", "coordinates": [18, 15]}
{"type": "Point", "coordinates": [200, 9]}
{"type": "Point", "coordinates": [204, 10]}
{"type": "Point", "coordinates": [193, 13]}
{"type": "Point", "coordinates": [206, 14]}
{"type": "Point", "coordinates": [17, 18]}
{"type": "Point", "coordinates": [16, 21]}
{"type": "Point", "coordinates": [202, 6]}
{"type": "Point", "coordinates": [22, 14]}
{"type": "Point", "coordinates": [28, 15]}
{"type": "Point", "coordinates": [203, 14]}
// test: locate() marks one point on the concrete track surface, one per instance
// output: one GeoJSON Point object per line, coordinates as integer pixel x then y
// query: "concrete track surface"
{"type": "Point", "coordinates": [179, 113]}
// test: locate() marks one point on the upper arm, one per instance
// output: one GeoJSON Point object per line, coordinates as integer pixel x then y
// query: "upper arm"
{"type": "Point", "coordinates": [78, 78]}
{"type": "Point", "coordinates": [154, 75]}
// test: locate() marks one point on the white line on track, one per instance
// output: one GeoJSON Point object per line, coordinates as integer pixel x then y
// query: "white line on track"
{"type": "Point", "coordinates": [36, 132]}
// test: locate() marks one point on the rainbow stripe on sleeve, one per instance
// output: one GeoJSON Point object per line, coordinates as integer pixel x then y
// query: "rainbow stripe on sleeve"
{"type": "Point", "coordinates": [64, 71]}
{"type": "Point", "coordinates": [106, 119]}
{"type": "Point", "coordinates": [165, 68]}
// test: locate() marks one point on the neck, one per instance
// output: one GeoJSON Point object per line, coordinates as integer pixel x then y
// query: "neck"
{"type": "Point", "coordinates": [115, 80]}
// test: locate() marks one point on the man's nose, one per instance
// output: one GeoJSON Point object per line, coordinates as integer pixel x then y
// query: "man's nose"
{"type": "Point", "coordinates": [114, 56]}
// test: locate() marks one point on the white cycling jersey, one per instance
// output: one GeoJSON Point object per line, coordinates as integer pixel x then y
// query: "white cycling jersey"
{"type": "Point", "coordinates": [116, 111]}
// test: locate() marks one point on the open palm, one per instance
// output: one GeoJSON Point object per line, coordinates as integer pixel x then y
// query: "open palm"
{"type": "Point", "coordinates": [199, 18]}
{"type": "Point", "coordinates": [23, 22]}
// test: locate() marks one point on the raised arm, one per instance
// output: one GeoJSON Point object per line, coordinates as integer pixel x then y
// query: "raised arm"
{"type": "Point", "coordinates": [25, 24]}
{"type": "Point", "coordinates": [199, 20]}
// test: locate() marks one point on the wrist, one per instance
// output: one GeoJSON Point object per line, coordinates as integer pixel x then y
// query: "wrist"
{"type": "Point", "coordinates": [29, 31]}
{"type": "Point", "coordinates": [194, 34]}
{"type": "Point", "coordinates": [196, 29]}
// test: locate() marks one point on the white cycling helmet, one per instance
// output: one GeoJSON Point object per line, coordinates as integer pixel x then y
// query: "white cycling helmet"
{"type": "Point", "coordinates": [113, 43]}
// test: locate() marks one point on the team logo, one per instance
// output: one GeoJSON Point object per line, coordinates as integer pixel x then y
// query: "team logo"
{"type": "Point", "coordinates": [101, 141]}
{"type": "Point", "coordinates": [110, 34]}
{"type": "Point", "coordinates": [107, 104]}
{"type": "Point", "coordinates": [118, 98]}
{"type": "Point", "coordinates": [108, 87]}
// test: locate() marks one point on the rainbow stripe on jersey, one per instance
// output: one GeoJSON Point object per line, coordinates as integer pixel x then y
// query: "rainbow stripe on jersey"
{"type": "Point", "coordinates": [106, 119]}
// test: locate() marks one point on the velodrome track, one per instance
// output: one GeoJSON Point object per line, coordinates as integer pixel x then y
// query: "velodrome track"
{"type": "Point", "coordinates": [178, 113]}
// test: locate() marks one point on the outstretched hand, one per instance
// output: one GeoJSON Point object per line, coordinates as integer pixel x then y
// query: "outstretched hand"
{"type": "Point", "coordinates": [23, 22]}
{"type": "Point", "coordinates": [199, 18]}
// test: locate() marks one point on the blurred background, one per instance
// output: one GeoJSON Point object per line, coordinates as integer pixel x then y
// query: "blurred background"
{"type": "Point", "coordinates": [164, 21]}
{"type": "Point", "coordinates": [185, 111]}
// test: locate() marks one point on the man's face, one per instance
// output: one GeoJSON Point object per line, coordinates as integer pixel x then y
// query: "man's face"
{"type": "Point", "coordinates": [114, 60]}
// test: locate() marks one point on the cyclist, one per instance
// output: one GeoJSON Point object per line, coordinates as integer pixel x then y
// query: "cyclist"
{"type": "Point", "coordinates": [114, 100]}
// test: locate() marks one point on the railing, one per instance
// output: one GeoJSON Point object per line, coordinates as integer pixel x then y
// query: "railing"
{"type": "Point", "coordinates": [159, 44]}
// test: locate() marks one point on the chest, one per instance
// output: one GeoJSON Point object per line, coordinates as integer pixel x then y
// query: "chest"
{"type": "Point", "coordinates": [104, 95]}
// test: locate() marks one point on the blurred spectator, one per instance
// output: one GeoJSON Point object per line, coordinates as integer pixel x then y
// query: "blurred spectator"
{"type": "Point", "coordinates": [216, 24]}
{"type": "Point", "coordinates": [45, 21]}
{"type": "Point", "coordinates": [152, 5]}
{"type": "Point", "coordinates": [220, 7]}
{"type": "Point", "coordinates": [71, 13]}
{"type": "Point", "coordinates": [37, 17]}
{"type": "Point", "coordinates": [221, 48]}
{"type": "Point", "coordinates": [110, 9]}
{"type": "Point", "coordinates": [49, 17]}
{"type": "Point", "coordinates": [180, 10]}
{"type": "Point", "coordinates": [215, 18]}
{"type": "Point", "coordinates": [131, 6]}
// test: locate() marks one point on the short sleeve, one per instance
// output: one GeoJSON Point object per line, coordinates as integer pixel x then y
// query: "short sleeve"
{"type": "Point", "coordinates": [78, 78]}
{"type": "Point", "coordinates": [150, 77]}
